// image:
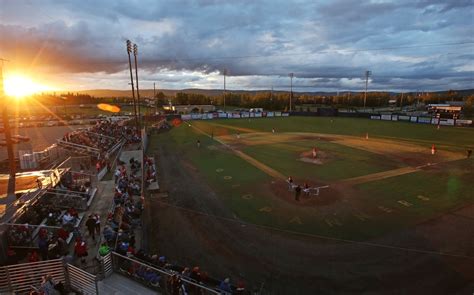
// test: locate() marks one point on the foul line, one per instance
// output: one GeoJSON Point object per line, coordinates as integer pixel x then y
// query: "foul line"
{"type": "Point", "coordinates": [254, 162]}
{"type": "Point", "coordinates": [347, 241]}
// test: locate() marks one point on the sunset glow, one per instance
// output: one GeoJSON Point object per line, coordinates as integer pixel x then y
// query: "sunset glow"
{"type": "Point", "coordinates": [19, 86]}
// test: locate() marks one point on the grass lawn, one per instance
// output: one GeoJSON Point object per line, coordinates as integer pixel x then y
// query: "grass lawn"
{"type": "Point", "coordinates": [422, 133]}
{"type": "Point", "coordinates": [244, 188]}
{"type": "Point", "coordinates": [344, 162]}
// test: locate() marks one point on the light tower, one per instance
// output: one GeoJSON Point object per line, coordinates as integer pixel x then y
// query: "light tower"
{"type": "Point", "coordinates": [291, 75]}
{"type": "Point", "coordinates": [129, 50]}
{"type": "Point", "coordinates": [367, 75]}
{"type": "Point", "coordinates": [225, 73]}
{"type": "Point", "coordinates": [135, 53]}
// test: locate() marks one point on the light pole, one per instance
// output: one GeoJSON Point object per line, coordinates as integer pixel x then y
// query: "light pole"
{"type": "Point", "coordinates": [225, 73]}
{"type": "Point", "coordinates": [156, 99]}
{"type": "Point", "coordinates": [367, 74]}
{"type": "Point", "coordinates": [129, 50]}
{"type": "Point", "coordinates": [135, 53]}
{"type": "Point", "coordinates": [291, 75]}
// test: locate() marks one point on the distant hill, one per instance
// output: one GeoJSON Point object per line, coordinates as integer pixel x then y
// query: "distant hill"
{"type": "Point", "coordinates": [218, 92]}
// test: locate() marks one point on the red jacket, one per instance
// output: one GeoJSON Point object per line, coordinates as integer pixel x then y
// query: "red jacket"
{"type": "Point", "coordinates": [80, 248]}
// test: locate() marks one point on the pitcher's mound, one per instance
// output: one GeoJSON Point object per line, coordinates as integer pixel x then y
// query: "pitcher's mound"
{"type": "Point", "coordinates": [321, 158]}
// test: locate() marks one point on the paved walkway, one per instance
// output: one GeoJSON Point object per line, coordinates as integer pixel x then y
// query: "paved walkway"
{"type": "Point", "coordinates": [101, 205]}
{"type": "Point", "coordinates": [120, 285]}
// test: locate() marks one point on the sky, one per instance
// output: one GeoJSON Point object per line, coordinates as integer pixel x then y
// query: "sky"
{"type": "Point", "coordinates": [408, 45]}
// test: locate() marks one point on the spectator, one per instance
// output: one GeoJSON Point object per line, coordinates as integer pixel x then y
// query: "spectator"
{"type": "Point", "coordinates": [68, 218]}
{"type": "Point", "coordinates": [11, 256]}
{"type": "Point", "coordinates": [43, 247]}
{"type": "Point", "coordinates": [80, 249]}
{"type": "Point", "coordinates": [33, 256]}
{"type": "Point", "coordinates": [97, 223]}
{"type": "Point", "coordinates": [104, 249]}
{"type": "Point", "coordinates": [240, 290]}
{"type": "Point", "coordinates": [47, 285]}
{"type": "Point", "coordinates": [90, 224]}
{"type": "Point", "coordinates": [225, 286]}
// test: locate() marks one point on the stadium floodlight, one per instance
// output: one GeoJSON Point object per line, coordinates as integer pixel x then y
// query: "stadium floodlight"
{"type": "Point", "coordinates": [291, 75]}
{"type": "Point", "coordinates": [129, 50]}
{"type": "Point", "coordinates": [367, 75]}
{"type": "Point", "coordinates": [135, 53]}
{"type": "Point", "coordinates": [225, 73]}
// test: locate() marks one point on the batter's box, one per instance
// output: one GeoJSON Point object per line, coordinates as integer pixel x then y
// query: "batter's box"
{"type": "Point", "coordinates": [385, 209]}
{"type": "Point", "coordinates": [423, 198]}
{"type": "Point", "coordinates": [405, 203]}
{"type": "Point", "coordinates": [265, 209]}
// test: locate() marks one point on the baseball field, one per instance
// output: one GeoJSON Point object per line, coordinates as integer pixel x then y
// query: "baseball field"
{"type": "Point", "coordinates": [369, 182]}
{"type": "Point", "coordinates": [367, 186]}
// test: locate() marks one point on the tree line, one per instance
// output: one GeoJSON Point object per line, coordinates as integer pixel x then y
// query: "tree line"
{"type": "Point", "coordinates": [281, 100]}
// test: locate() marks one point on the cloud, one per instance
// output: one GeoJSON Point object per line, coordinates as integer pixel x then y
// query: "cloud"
{"type": "Point", "coordinates": [182, 44]}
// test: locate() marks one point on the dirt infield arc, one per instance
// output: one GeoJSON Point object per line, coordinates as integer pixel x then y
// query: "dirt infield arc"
{"type": "Point", "coordinates": [379, 146]}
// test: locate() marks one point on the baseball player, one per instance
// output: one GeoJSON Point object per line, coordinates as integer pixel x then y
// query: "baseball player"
{"type": "Point", "coordinates": [315, 152]}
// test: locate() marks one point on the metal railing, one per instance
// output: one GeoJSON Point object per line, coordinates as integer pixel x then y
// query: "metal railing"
{"type": "Point", "coordinates": [20, 278]}
{"type": "Point", "coordinates": [82, 281]}
{"type": "Point", "coordinates": [132, 268]}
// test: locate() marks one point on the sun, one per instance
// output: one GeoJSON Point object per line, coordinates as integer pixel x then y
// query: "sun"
{"type": "Point", "coordinates": [19, 86]}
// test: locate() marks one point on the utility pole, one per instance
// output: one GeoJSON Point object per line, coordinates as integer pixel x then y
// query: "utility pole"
{"type": "Point", "coordinates": [367, 74]}
{"type": "Point", "coordinates": [291, 75]}
{"type": "Point", "coordinates": [401, 102]}
{"type": "Point", "coordinates": [156, 99]}
{"type": "Point", "coordinates": [8, 138]}
{"type": "Point", "coordinates": [135, 53]}
{"type": "Point", "coordinates": [225, 73]}
{"type": "Point", "coordinates": [129, 50]}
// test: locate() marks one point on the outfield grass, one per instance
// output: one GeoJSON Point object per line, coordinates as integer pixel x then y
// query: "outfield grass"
{"type": "Point", "coordinates": [246, 193]}
{"type": "Point", "coordinates": [421, 133]}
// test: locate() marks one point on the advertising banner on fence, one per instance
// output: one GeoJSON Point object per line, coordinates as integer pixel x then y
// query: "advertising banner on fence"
{"type": "Point", "coordinates": [463, 122]}
{"type": "Point", "coordinates": [277, 114]}
{"type": "Point", "coordinates": [413, 119]}
{"type": "Point", "coordinates": [424, 120]}
{"type": "Point", "coordinates": [434, 121]}
{"type": "Point", "coordinates": [446, 122]}
{"type": "Point", "coordinates": [386, 117]}
{"type": "Point", "coordinates": [186, 117]}
{"type": "Point", "coordinates": [404, 118]}
{"type": "Point", "coordinates": [236, 115]}
{"type": "Point", "coordinates": [252, 115]}
{"type": "Point", "coordinates": [196, 116]}
{"type": "Point", "coordinates": [285, 114]}
{"type": "Point", "coordinates": [245, 115]}
{"type": "Point", "coordinates": [394, 117]}
{"type": "Point", "coordinates": [375, 117]}
{"type": "Point", "coordinates": [270, 114]}
{"type": "Point", "coordinates": [258, 115]}
{"type": "Point", "coordinates": [222, 115]}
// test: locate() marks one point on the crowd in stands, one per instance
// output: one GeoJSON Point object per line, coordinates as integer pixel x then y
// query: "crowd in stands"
{"type": "Point", "coordinates": [46, 226]}
{"type": "Point", "coordinates": [119, 236]}
{"type": "Point", "coordinates": [180, 279]}
{"type": "Point", "coordinates": [103, 136]}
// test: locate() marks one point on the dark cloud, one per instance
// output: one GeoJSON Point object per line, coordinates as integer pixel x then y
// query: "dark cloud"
{"type": "Point", "coordinates": [327, 45]}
